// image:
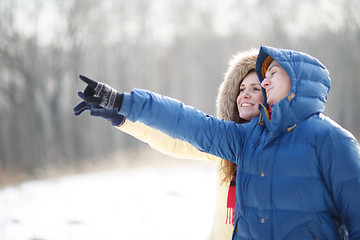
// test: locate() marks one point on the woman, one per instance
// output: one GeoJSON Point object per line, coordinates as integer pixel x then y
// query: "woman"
{"type": "Point", "coordinates": [297, 171]}
{"type": "Point", "coordinates": [238, 100]}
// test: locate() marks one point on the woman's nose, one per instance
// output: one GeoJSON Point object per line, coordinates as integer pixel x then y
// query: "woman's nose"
{"type": "Point", "coordinates": [246, 94]}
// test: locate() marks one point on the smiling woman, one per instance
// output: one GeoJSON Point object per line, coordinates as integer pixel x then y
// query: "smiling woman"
{"type": "Point", "coordinates": [249, 97]}
{"type": "Point", "coordinates": [240, 86]}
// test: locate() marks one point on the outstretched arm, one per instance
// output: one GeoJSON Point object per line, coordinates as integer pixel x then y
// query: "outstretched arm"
{"type": "Point", "coordinates": [154, 138]}
{"type": "Point", "coordinates": [208, 134]}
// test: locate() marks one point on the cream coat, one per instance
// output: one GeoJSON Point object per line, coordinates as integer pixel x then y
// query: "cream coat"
{"type": "Point", "coordinates": [239, 66]}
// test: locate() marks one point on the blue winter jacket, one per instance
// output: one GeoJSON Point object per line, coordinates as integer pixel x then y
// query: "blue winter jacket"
{"type": "Point", "coordinates": [298, 174]}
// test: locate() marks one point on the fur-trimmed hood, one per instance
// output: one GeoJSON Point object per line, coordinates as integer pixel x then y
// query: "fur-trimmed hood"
{"type": "Point", "coordinates": [239, 65]}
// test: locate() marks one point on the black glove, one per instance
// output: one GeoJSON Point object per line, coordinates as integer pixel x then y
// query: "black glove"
{"type": "Point", "coordinates": [101, 94]}
{"type": "Point", "coordinates": [95, 110]}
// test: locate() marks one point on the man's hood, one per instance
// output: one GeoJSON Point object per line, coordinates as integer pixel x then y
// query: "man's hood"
{"type": "Point", "coordinates": [310, 85]}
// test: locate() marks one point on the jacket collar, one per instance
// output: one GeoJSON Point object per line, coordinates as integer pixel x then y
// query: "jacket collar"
{"type": "Point", "coordinates": [282, 118]}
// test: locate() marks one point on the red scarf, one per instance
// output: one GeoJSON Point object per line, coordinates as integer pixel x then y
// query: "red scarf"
{"type": "Point", "coordinates": [231, 201]}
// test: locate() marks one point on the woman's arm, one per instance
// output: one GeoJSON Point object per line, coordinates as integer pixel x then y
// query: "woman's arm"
{"type": "Point", "coordinates": [164, 143]}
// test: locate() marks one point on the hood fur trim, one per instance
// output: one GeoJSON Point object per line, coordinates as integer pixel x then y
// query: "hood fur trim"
{"type": "Point", "coordinates": [239, 65]}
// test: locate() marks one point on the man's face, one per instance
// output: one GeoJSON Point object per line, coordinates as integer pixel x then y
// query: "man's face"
{"type": "Point", "coordinates": [276, 83]}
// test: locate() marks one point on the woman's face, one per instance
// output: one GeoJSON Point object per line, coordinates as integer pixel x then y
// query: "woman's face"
{"type": "Point", "coordinates": [250, 97]}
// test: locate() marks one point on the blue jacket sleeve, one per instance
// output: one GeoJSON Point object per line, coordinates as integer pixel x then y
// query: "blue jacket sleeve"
{"type": "Point", "coordinates": [340, 166]}
{"type": "Point", "coordinates": [208, 134]}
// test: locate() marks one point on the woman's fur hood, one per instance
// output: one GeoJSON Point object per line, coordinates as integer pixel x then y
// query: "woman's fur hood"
{"type": "Point", "coordinates": [239, 65]}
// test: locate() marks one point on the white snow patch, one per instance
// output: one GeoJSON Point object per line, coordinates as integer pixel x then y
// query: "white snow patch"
{"type": "Point", "coordinates": [141, 203]}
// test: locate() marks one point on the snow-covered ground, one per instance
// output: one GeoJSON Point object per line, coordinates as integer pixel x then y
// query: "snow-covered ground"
{"type": "Point", "coordinates": [172, 202]}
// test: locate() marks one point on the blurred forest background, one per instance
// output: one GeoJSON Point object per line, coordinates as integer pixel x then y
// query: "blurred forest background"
{"type": "Point", "coordinates": [179, 48]}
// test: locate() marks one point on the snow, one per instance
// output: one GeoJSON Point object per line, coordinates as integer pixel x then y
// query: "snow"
{"type": "Point", "coordinates": [172, 202]}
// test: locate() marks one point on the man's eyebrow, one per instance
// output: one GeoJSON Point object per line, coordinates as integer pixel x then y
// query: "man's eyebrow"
{"type": "Point", "coordinates": [274, 65]}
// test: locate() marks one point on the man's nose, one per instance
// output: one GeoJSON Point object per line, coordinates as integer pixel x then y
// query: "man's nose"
{"type": "Point", "coordinates": [265, 83]}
